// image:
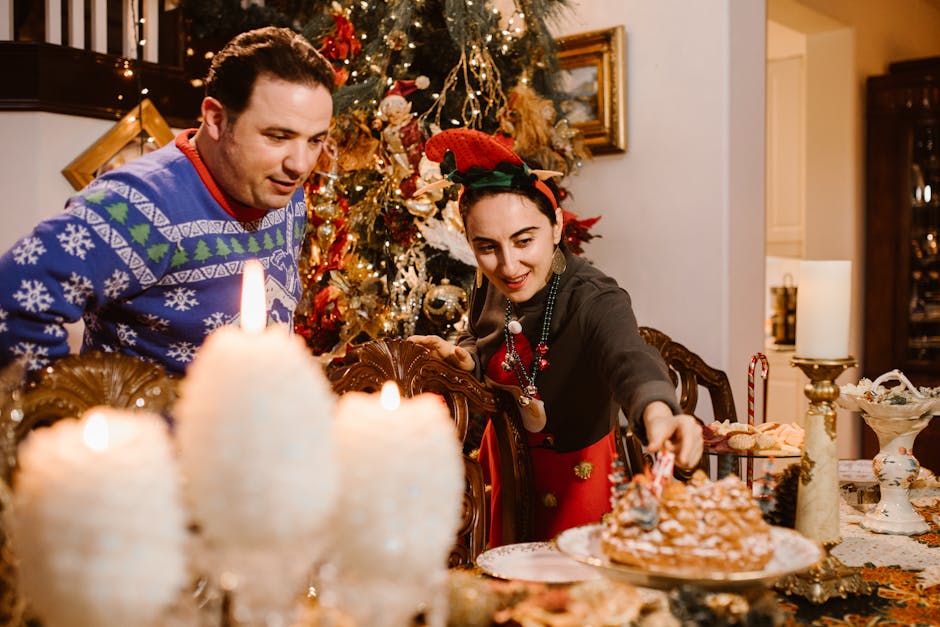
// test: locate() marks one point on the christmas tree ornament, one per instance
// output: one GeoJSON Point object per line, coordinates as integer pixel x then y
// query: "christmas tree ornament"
{"type": "Point", "coordinates": [402, 134]}
{"type": "Point", "coordinates": [325, 234]}
{"type": "Point", "coordinates": [424, 204]}
{"type": "Point", "coordinates": [397, 39]}
{"type": "Point", "coordinates": [445, 304]}
{"type": "Point", "coordinates": [325, 208]}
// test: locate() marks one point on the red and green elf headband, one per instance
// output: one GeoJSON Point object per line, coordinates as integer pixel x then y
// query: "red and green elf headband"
{"type": "Point", "coordinates": [475, 159]}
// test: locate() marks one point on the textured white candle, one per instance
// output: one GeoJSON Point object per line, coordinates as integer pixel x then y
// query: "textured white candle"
{"type": "Point", "coordinates": [255, 430]}
{"type": "Point", "coordinates": [255, 427]}
{"type": "Point", "coordinates": [401, 487]}
{"type": "Point", "coordinates": [99, 530]}
{"type": "Point", "coordinates": [823, 309]}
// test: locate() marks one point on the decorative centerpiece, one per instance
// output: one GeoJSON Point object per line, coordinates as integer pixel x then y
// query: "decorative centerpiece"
{"type": "Point", "coordinates": [399, 507]}
{"type": "Point", "coordinates": [98, 525]}
{"type": "Point", "coordinates": [822, 354]}
{"type": "Point", "coordinates": [896, 415]}
{"type": "Point", "coordinates": [255, 431]}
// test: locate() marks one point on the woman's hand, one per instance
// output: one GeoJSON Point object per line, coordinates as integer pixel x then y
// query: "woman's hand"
{"type": "Point", "coordinates": [681, 433]}
{"type": "Point", "coordinates": [451, 353]}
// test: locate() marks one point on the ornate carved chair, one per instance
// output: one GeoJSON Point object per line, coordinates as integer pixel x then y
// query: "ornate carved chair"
{"type": "Point", "coordinates": [66, 388]}
{"type": "Point", "coordinates": [77, 383]}
{"type": "Point", "coordinates": [411, 366]}
{"type": "Point", "coordinates": [689, 372]}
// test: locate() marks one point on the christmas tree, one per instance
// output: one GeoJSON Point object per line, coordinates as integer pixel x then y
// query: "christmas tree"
{"type": "Point", "coordinates": [383, 257]}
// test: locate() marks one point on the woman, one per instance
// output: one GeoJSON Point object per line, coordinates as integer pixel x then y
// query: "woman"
{"type": "Point", "coordinates": [589, 358]}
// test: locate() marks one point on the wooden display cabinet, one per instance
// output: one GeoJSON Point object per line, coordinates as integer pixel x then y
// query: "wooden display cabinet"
{"type": "Point", "coordinates": [901, 285]}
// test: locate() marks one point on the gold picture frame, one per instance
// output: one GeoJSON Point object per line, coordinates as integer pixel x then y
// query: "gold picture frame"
{"type": "Point", "coordinates": [594, 100]}
{"type": "Point", "coordinates": [142, 129]}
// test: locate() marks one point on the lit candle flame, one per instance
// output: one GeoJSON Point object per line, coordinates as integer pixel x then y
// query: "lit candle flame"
{"type": "Point", "coordinates": [254, 314]}
{"type": "Point", "coordinates": [95, 433]}
{"type": "Point", "coordinates": [390, 398]}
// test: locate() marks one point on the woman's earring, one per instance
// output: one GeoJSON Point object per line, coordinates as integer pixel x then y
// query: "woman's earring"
{"type": "Point", "coordinates": [559, 263]}
{"type": "Point", "coordinates": [478, 280]}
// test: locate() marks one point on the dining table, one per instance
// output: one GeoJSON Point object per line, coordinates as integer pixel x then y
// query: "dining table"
{"type": "Point", "coordinates": [903, 572]}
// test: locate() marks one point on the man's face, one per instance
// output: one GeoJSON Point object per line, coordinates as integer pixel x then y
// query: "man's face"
{"type": "Point", "coordinates": [269, 150]}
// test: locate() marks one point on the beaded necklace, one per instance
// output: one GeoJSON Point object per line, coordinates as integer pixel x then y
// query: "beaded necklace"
{"type": "Point", "coordinates": [513, 362]}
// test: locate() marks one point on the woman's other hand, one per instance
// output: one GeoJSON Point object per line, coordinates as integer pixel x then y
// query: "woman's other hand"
{"type": "Point", "coordinates": [441, 348]}
{"type": "Point", "coordinates": [681, 433]}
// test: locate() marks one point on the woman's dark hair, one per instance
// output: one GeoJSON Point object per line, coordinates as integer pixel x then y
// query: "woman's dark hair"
{"type": "Point", "coordinates": [272, 51]}
{"type": "Point", "coordinates": [470, 196]}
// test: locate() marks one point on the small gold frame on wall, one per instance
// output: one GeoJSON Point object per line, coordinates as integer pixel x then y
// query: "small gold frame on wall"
{"type": "Point", "coordinates": [141, 130]}
{"type": "Point", "coordinates": [593, 88]}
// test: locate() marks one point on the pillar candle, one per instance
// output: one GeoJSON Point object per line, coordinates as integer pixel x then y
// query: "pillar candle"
{"type": "Point", "coordinates": [98, 523]}
{"type": "Point", "coordinates": [823, 309]}
{"type": "Point", "coordinates": [255, 428]}
{"type": "Point", "coordinates": [401, 484]}
{"type": "Point", "coordinates": [401, 498]}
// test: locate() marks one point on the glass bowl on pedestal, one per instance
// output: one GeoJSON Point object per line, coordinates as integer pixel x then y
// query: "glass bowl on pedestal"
{"type": "Point", "coordinates": [896, 415]}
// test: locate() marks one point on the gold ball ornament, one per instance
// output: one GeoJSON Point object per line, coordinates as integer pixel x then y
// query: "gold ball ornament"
{"type": "Point", "coordinates": [445, 303]}
{"type": "Point", "coordinates": [325, 210]}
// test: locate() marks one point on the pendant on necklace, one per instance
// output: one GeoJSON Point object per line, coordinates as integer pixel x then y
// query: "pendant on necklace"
{"type": "Point", "coordinates": [532, 413]}
{"type": "Point", "coordinates": [531, 410]}
{"type": "Point", "coordinates": [514, 326]}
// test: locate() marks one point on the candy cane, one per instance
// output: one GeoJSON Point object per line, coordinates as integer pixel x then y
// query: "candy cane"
{"type": "Point", "coordinates": [662, 471]}
{"type": "Point", "coordinates": [764, 371]}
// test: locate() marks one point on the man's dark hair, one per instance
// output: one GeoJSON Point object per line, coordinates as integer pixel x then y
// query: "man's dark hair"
{"type": "Point", "coordinates": [272, 51]}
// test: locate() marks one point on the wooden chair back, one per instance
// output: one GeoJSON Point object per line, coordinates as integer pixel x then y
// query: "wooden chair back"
{"type": "Point", "coordinates": [689, 372]}
{"type": "Point", "coordinates": [369, 365]}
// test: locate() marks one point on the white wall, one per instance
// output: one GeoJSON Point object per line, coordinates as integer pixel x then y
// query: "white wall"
{"type": "Point", "coordinates": [36, 147]}
{"type": "Point", "coordinates": [683, 217]}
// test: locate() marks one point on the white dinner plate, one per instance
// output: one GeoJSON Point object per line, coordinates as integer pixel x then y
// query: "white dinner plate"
{"type": "Point", "coordinates": [793, 552]}
{"type": "Point", "coordinates": [534, 561]}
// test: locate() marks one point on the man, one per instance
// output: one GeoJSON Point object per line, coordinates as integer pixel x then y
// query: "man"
{"type": "Point", "coordinates": [150, 255]}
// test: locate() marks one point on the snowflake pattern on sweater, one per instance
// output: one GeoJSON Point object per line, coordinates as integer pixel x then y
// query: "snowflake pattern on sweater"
{"type": "Point", "coordinates": [150, 260]}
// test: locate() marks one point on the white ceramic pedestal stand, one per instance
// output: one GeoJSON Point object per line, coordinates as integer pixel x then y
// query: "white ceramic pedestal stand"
{"type": "Point", "coordinates": [895, 466]}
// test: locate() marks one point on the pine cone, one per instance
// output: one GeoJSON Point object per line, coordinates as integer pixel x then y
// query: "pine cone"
{"type": "Point", "coordinates": [783, 514]}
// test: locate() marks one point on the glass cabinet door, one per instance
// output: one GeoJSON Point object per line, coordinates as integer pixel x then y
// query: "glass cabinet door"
{"type": "Point", "coordinates": [924, 330]}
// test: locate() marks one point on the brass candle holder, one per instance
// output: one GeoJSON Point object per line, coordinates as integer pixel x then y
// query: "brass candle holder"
{"type": "Point", "coordinates": [817, 510]}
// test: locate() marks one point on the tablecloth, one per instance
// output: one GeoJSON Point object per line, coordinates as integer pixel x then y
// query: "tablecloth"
{"type": "Point", "coordinates": [904, 573]}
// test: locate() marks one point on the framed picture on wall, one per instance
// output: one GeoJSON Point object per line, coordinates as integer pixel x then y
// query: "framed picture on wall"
{"type": "Point", "coordinates": [141, 130]}
{"type": "Point", "coordinates": [593, 87]}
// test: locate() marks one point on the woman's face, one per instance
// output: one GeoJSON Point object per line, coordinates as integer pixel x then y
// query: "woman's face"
{"type": "Point", "coordinates": [513, 243]}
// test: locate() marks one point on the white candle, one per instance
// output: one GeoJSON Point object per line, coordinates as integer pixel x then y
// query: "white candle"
{"type": "Point", "coordinates": [823, 309]}
{"type": "Point", "coordinates": [401, 483]}
{"type": "Point", "coordinates": [255, 430]}
{"type": "Point", "coordinates": [98, 523]}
